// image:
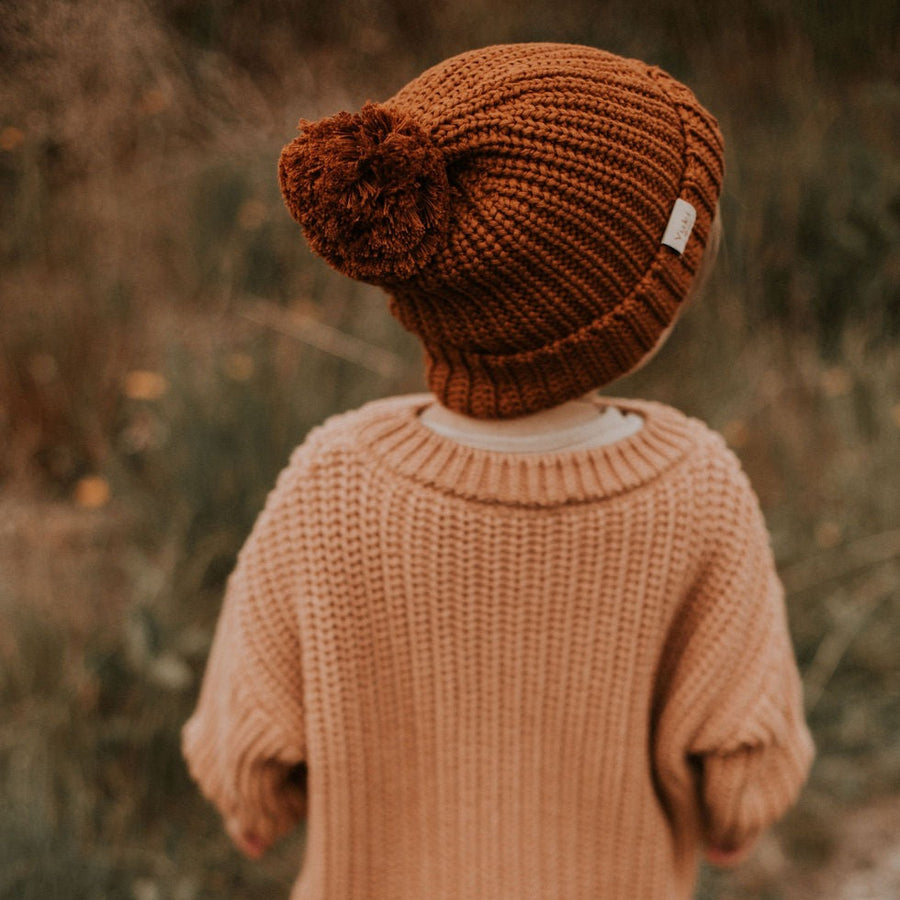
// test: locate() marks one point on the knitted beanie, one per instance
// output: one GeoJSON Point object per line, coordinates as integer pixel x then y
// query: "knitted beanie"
{"type": "Point", "coordinates": [536, 212]}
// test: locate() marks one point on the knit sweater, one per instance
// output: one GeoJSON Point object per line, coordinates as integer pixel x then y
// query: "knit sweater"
{"type": "Point", "coordinates": [546, 676]}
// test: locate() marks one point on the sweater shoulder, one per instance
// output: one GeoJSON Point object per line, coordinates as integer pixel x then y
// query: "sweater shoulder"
{"type": "Point", "coordinates": [346, 431]}
{"type": "Point", "coordinates": [351, 422]}
{"type": "Point", "coordinates": [385, 433]}
{"type": "Point", "coordinates": [710, 458]}
{"type": "Point", "coordinates": [725, 502]}
{"type": "Point", "coordinates": [708, 455]}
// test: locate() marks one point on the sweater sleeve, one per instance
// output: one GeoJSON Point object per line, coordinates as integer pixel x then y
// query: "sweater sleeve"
{"type": "Point", "coordinates": [245, 740]}
{"type": "Point", "coordinates": [733, 749]}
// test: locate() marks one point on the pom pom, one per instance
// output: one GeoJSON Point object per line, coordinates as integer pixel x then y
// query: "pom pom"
{"type": "Point", "coordinates": [370, 191]}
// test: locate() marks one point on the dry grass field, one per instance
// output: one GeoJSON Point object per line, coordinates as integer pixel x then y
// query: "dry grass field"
{"type": "Point", "coordinates": [166, 339]}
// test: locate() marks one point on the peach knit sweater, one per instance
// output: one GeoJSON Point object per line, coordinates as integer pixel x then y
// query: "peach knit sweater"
{"type": "Point", "coordinates": [547, 676]}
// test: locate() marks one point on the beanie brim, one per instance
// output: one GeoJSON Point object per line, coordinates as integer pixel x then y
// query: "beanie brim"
{"type": "Point", "coordinates": [505, 386]}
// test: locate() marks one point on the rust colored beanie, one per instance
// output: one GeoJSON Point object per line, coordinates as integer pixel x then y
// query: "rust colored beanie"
{"type": "Point", "coordinates": [513, 201]}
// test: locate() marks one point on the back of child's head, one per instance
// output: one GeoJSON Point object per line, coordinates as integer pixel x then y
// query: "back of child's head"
{"type": "Point", "coordinates": [537, 212]}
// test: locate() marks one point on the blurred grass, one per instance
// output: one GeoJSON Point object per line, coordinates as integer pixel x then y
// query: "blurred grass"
{"type": "Point", "coordinates": [166, 339]}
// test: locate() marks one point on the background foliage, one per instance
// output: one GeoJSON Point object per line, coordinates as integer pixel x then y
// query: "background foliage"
{"type": "Point", "coordinates": [166, 339]}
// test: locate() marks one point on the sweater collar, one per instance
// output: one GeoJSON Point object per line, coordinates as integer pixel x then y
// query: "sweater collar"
{"type": "Point", "coordinates": [393, 433]}
{"type": "Point", "coordinates": [576, 424]}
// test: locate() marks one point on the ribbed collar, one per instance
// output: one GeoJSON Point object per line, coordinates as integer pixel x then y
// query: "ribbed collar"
{"type": "Point", "coordinates": [574, 425]}
{"type": "Point", "coordinates": [391, 432]}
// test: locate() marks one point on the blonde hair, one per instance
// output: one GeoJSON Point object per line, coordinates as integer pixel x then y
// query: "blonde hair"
{"type": "Point", "coordinates": [707, 261]}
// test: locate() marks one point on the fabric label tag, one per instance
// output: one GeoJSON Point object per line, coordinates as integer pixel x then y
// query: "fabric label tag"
{"type": "Point", "coordinates": [681, 223]}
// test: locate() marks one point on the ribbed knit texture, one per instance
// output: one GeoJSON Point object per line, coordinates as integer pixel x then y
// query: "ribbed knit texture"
{"type": "Point", "coordinates": [534, 270]}
{"type": "Point", "coordinates": [511, 676]}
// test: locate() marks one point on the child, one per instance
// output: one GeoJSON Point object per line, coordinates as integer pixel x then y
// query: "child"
{"type": "Point", "coordinates": [508, 640]}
